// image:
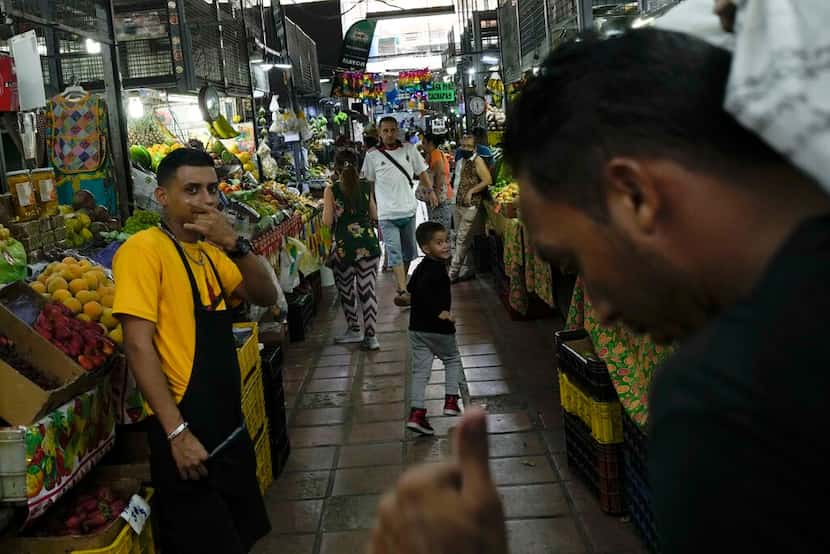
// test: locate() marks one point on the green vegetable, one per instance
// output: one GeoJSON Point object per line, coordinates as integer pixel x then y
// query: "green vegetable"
{"type": "Point", "coordinates": [139, 221]}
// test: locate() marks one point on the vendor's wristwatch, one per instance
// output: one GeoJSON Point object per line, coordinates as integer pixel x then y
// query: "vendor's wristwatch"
{"type": "Point", "coordinates": [243, 248]}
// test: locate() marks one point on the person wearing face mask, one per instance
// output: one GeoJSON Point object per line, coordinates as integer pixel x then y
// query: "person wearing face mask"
{"type": "Point", "coordinates": [472, 177]}
{"type": "Point", "coordinates": [176, 283]}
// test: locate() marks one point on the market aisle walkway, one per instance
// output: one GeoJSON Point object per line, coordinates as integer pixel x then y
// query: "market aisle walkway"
{"type": "Point", "coordinates": [349, 443]}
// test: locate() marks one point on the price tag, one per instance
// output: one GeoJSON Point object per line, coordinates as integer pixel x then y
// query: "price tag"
{"type": "Point", "coordinates": [137, 513]}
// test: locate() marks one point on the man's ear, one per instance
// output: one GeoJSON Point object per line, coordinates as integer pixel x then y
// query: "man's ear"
{"type": "Point", "coordinates": [632, 193]}
{"type": "Point", "coordinates": [161, 196]}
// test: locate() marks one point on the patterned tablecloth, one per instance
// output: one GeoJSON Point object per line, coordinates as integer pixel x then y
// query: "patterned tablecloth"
{"type": "Point", "coordinates": [631, 358]}
{"type": "Point", "coordinates": [526, 272]}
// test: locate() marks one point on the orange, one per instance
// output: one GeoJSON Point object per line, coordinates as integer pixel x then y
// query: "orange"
{"type": "Point", "coordinates": [83, 317]}
{"type": "Point", "coordinates": [69, 260]}
{"type": "Point", "coordinates": [85, 296]}
{"type": "Point", "coordinates": [43, 277]}
{"type": "Point", "coordinates": [91, 280]}
{"type": "Point", "coordinates": [56, 283]}
{"type": "Point", "coordinates": [77, 285]}
{"type": "Point", "coordinates": [73, 305]}
{"type": "Point", "coordinates": [61, 295]}
{"type": "Point", "coordinates": [38, 287]}
{"type": "Point", "coordinates": [84, 264]}
{"type": "Point", "coordinates": [59, 268]}
{"type": "Point", "coordinates": [107, 319]}
{"type": "Point", "coordinates": [108, 300]}
{"type": "Point", "coordinates": [93, 310]}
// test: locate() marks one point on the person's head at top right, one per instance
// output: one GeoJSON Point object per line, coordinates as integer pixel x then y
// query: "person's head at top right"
{"type": "Point", "coordinates": [631, 169]}
{"type": "Point", "coordinates": [388, 130]}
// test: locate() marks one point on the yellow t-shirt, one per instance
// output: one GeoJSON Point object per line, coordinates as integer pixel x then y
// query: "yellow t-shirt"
{"type": "Point", "coordinates": [152, 284]}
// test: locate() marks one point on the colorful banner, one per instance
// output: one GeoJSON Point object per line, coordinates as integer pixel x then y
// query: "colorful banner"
{"type": "Point", "coordinates": [356, 84]}
{"type": "Point", "coordinates": [356, 45]}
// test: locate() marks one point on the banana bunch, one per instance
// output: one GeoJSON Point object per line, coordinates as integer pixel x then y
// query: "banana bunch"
{"type": "Point", "coordinates": [508, 194]}
{"type": "Point", "coordinates": [221, 128]}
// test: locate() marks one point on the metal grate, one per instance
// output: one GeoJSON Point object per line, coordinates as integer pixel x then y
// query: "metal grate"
{"type": "Point", "coordinates": [561, 12]}
{"type": "Point", "coordinates": [205, 51]}
{"type": "Point", "coordinates": [235, 52]}
{"type": "Point", "coordinates": [144, 59]}
{"type": "Point", "coordinates": [532, 33]}
{"type": "Point", "coordinates": [77, 64]}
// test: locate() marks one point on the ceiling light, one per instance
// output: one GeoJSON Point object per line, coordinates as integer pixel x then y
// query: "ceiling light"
{"type": "Point", "coordinates": [283, 65]}
{"type": "Point", "coordinates": [471, 71]}
{"type": "Point", "coordinates": [493, 68]}
{"type": "Point", "coordinates": [93, 47]}
{"type": "Point", "coordinates": [452, 70]}
{"type": "Point", "coordinates": [325, 80]}
{"type": "Point", "coordinates": [489, 59]}
{"type": "Point", "coordinates": [639, 22]}
{"type": "Point", "coordinates": [135, 108]}
{"type": "Point", "coordinates": [267, 66]}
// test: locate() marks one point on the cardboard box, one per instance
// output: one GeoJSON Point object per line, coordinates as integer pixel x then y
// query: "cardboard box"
{"type": "Point", "coordinates": [22, 402]}
{"type": "Point", "coordinates": [123, 482]}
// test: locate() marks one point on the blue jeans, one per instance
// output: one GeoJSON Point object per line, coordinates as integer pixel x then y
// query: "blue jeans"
{"type": "Point", "coordinates": [399, 238]}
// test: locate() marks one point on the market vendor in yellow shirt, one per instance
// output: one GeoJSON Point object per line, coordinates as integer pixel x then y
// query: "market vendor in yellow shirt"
{"type": "Point", "coordinates": [175, 283]}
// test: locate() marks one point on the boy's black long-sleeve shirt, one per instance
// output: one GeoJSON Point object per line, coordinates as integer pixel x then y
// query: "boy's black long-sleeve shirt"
{"type": "Point", "coordinates": [430, 290]}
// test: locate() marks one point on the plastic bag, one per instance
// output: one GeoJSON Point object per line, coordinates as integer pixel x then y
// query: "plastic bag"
{"type": "Point", "coordinates": [307, 263]}
{"type": "Point", "coordinates": [289, 267]}
{"type": "Point", "coordinates": [13, 265]}
{"type": "Point", "coordinates": [269, 164]}
{"type": "Point", "coordinates": [144, 190]}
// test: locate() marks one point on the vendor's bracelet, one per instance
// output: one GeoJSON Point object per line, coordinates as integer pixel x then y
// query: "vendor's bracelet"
{"type": "Point", "coordinates": [177, 431]}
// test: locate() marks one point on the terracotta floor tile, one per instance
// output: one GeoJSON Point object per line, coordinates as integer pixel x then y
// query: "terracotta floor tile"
{"type": "Point", "coordinates": [545, 536]}
{"type": "Point", "coordinates": [555, 439]}
{"type": "Point", "coordinates": [437, 377]}
{"type": "Point", "coordinates": [345, 542]}
{"type": "Point", "coordinates": [530, 501]}
{"type": "Point", "coordinates": [427, 449]}
{"type": "Point", "coordinates": [325, 399]}
{"type": "Point", "coordinates": [294, 373]}
{"type": "Point", "coordinates": [320, 416]}
{"type": "Point", "coordinates": [390, 394]}
{"type": "Point", "coordinates": [462, 340]}
{"type": "Point", "coordinates": [477, 349]}
{"type": "Point", "coordinates": [291, 387]}
{"type": "Point", "coordinates": [560, 461]}
{"type": "Point", "coordinates": [398, 355]}
{"type": "Point", "coordinates": [316, 436]}
{"type": "Point", "coordinates": [380, 412]}
{"type": "Point", "coordinates": [365, 480]}
{"type": "Point", "coordinates": [583, 498]}
{"type": "Point", "coordinates": [372, 383]}
{"type": "Point", "coordinates": [376, 432]}
{"type": "Point", "coordinates": [299, 486]}
{"type": "Point", "coordinates": [606, 534]}
{"type": "Point", "coordinates": [490, 388]}
{"type": "Point", "coordinates": [328, 385]}
{"type": "Point", "coordinates": [387, 453]}
{"type": "Point", "coordinates": [508, 423]}
{"type": "Point", "coordinates": [308, 459]}
{"type": "Point", "coordinates": [345, 513]}
{"type": "Point", "coordinates": [339, 359]}
{"type": "Point", "coordinates": [338, 350]}
{"type": "Point", "coordinates": [334, 372]}
{"type": "Point", "coordinates": [486, 360]}
{"type": "Point", "coordinates": [285, 544]}
{"type": "Point", "coordinates": [522, 470]}
{"type": "Point", "coordinates": [295, 516]}
{"type": "Point", "coordinates": [387, 368]}
{"type": "Point", "coordinates": [493, 373]}
{"type": "Point", "coordinates": [515, 444]}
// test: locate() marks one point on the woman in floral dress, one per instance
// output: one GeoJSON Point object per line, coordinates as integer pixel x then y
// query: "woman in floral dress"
{"type": "Point", "coordinates": [351, 212]}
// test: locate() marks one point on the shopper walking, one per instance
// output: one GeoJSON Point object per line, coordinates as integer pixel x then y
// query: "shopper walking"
{"type": "Point", "coordinates": [175, 284]}
{"type": "Point", "coordinates": [431, 326]}
{"type": "Point", "coordinates": [471, 180]}
{"type": "Point", "coordinates": [391, 167]}
{"type": "Point", "coordinates": [350, 210]}
{"type": "Point", "coordinates": [686, 225]}
{"type": "Point", "coordinates": [439, 170]}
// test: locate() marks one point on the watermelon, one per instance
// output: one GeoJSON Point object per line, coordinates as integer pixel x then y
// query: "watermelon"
{"type": "Point", "coordinates": [140, 156]}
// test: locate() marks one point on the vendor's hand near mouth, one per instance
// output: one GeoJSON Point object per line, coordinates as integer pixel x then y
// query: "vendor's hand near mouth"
{"type": "Point", "coordinates": [214, 227]}
{"type": "Point", "coordinates": [190, 456]}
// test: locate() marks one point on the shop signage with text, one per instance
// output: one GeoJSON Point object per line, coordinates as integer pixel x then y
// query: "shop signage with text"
{"type": "Point", "coordinates": [441, 92]}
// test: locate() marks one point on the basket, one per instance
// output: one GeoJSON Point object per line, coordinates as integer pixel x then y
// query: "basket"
{"type": "Point", "coordinates": [637, 488]}
{"type": "Point", "coordinates": [253, 402]}
{"type": "Point", "coordinates": [127, 542]}
{"type": "Point", "coordinates": [600, 465]}
{"type": "Point", "coordinates": [262, 447]}
{"type": "Point", "coordinates": [248, 353]}
{"type": "Point", "coordinates": [577, 359]}
{"type": "Point", "coordinates": [603, 418]}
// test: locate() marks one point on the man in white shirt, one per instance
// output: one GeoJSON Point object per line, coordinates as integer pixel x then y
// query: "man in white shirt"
{"type": "Point", "coordinates": [391, 166]}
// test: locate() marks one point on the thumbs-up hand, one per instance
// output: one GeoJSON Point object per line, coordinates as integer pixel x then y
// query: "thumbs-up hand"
{"type": "Point", "coordinates": [450, 508]}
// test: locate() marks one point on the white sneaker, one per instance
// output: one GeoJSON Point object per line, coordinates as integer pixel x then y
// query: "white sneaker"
{"type": "Point", "coordinates": [351, 336]}
{"type": "Point", "coordinates": [370, 343]}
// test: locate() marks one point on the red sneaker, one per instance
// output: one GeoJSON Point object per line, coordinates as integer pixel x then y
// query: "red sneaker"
{"type": "Point", "coordinates": [418, 422]}
{"type": "Point", "coordinates": [451, 406]}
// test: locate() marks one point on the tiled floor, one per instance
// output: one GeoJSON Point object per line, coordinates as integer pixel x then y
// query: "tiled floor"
{"type": "Point", "coordinates": [346, 415]}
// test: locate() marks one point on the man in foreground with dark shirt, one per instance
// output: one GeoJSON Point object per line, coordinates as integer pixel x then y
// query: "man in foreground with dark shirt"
{"type": "Point", "coordinates": [685, 225]}
{"type": "Point", "coordinates": [431, 325]}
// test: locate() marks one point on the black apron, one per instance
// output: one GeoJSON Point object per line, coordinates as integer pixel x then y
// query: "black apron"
{"type": "Point", "coordinates": [224, 512]}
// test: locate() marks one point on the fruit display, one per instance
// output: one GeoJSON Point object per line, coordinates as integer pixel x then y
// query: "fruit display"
{"type": "Point", "coordinates": [78, 232]}
{"type": "Point", "coordinates": [9, 355]}
{"type": "Point", "coordinates": [160, 151]}
{"type": "Point", "coordinates": [139, 221]}
{"type": "Point", "coordinates": [147, 130]}
{"type": "Point", "coordinates": [84, 512]}
{"type": "Point", "coordinates": [505, 192]}
{"type": "Point", "coordinates": [5, 235]}
{"type": "Point", "coordinates": [141, 156]}
{"type": "Point", "coordinates": [84, 289]}
{"type": "Point", "coordinates": [84, 341]}
{"type": "Point", "coordinates": [221, 128]}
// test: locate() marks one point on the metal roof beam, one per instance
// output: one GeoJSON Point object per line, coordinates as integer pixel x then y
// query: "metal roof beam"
{"type": "Point", "coordinates": [418, 12]}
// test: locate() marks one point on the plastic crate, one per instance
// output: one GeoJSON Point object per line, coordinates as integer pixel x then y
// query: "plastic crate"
{"type": "Point", "coordinates": [603, 418]}
{"type": "Point", "coordinates": [127, 541]}
{"type": "Point", "coordinates": [280, 450]}
{"type": "Point", "coordinates": [637, 489]}
{"type": "Point", "coordinates": [300, 313]}
{"type": "Point", "coordinates": [577, 359]}
{"type": "Point", "coordinates": [248, 353]}
{"type": "Point", "coordinates": [253, 402]}
{"type": "Point", "coordinates": [264, 472]}
{"type": "Point", "coordinates": [600, 465]}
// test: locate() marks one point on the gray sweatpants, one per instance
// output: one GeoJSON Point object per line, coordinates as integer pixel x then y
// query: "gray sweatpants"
{"type": "Point", "coordinates": [426, 347]}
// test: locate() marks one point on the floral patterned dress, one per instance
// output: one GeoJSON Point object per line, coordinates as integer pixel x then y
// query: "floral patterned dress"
{"type": "Point", "coordinates": [354, 233]}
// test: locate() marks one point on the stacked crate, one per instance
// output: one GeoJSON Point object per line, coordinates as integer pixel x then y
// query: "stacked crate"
{"type": "Point", "coordinates": [637, 487]}
{"type": "Point", "coordinates": [253, 401]}
{"type": "Point", "coordinates": [593, 419]}
{"type": "Point", "coordinates": [275, 408]}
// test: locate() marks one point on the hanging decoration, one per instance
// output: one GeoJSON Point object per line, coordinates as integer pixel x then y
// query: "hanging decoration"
{"type": "Point", "coordinates": [356, 84]}
{"type": "Point", "coordinates": [412, 81]}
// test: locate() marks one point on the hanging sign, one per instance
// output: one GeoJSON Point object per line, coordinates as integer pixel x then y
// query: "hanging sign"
{"type": "Point", "coordinates": [356, 45]}
{"type": "Point", "coordinates": [441, 92]}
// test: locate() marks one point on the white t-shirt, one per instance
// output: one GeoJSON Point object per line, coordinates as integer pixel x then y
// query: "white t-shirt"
{"type": "Point", "coordinates": [393, 191]}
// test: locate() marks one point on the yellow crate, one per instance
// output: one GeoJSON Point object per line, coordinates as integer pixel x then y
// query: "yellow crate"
{"type": "Point", "coordinates": [127, 542]}
{"type": "Point", "coordinates": [248, 354]}
{"type": "Point", "coordinates": [263, 460]}
{"type": "Point", "coordinates": [253, 402]}
{"type": "Point", "coordinates": [603, 418]}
